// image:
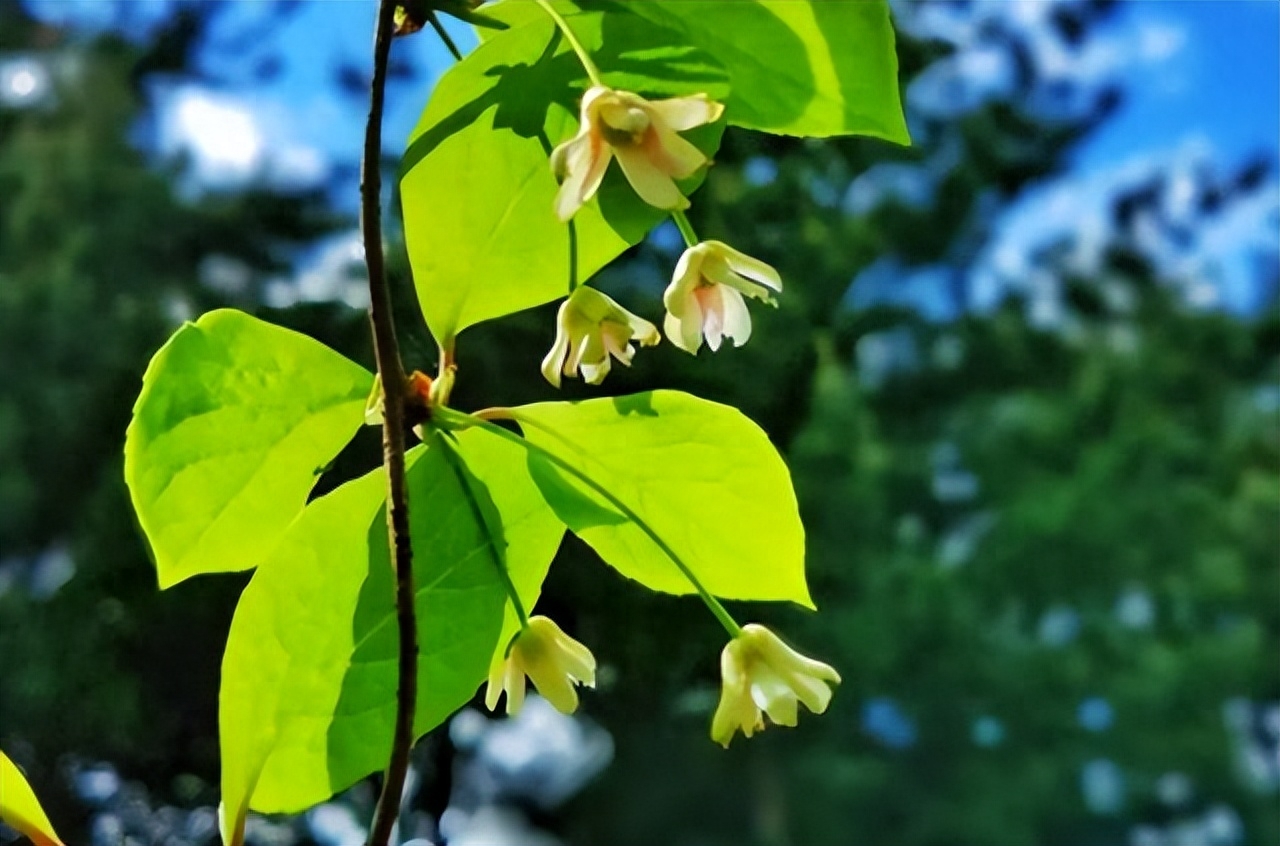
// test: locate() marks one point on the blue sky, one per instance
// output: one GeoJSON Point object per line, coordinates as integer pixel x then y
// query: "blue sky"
{"type": "Point", "coordinates": [1224, 84]}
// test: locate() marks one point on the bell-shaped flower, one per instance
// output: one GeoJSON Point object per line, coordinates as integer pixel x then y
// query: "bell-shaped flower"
{"type": "Point", "coordinates": [642, 134]}
{"type": "Point", "coordinates": [554, 662]}
{"type": "Point", "coordinates": [761, 673]}
{"type": "Point", "coordinates": [591, 327]}
{"type": "Point", "coordinates": [705, 297]}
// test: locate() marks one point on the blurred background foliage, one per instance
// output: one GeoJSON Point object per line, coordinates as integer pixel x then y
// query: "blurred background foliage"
{"type": "Point", "coordinates": [1042, 529]}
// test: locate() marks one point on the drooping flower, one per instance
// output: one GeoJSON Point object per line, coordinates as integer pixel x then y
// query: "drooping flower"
{"type": "Point", "coordinates": [642, 134]}
{"type": "Point", "coordinates": [552, 660]}
{"type": "Point", "coordinates": [705, 297]}
{"type": "Point", "coordinates": [591, 327]}
{"type": "Point", "coordinates": [761, 673]}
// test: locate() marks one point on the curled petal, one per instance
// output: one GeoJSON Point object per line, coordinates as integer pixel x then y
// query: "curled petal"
{"type": "Point", "coordinates": [584, 165]}
{"type": "Point", "coordinates": [752, 268]}
{"type": "Point", "coordinates": [681, 113]}
{"type": "Point", "coordinates": [555, 358]}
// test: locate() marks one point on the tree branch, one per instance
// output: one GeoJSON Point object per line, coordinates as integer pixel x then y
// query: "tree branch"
{"type": "Point", "coordinates": [394, 387]}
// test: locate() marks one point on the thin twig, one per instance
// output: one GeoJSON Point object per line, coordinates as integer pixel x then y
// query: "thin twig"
{"type": "Point", "coordinates": [390, 368]}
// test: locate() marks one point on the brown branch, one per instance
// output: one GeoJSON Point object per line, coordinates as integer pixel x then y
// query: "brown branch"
{"type": "Point", "coordinates": [394, 389]}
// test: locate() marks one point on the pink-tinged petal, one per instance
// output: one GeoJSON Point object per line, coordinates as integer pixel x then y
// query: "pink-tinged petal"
{"type": "Point", "coordinates": [712, 305]}
{"type": "Point", "coordinates": [671, 154]}
{"type": "Point", "coordinates": [751, 268]}
{"type": "Point", "coordinates": [654, 187]}
{"type": "Point", "coordinates": [681, 113]}
{"type": "Point", "coordinates": [616, 341]}
{"type": "Point", "coordinates": [585, 165]}
{"type": "Point", "coordinates": [737, 320]}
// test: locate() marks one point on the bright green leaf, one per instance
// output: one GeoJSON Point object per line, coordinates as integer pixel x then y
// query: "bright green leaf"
{"type": "Point", "coordinates": [236, 420]}
{"type": "Point", "coordinates": [19, 807]}
{"type": "Point", "coordinates": [700, 474]}
{"type": "Point", "coordinates": [477, 188]}
{"type": "Point", "coordinates": [798, 67]}
{"type": "Point", "coordinates": [309, 674]}
{"type": "Point", "coordinates": [533, 532]}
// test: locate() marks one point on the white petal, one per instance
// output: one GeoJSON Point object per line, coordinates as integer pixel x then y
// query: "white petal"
{"type": "Point", "coordinates": [737, 320]}
{"type": "Point", "coordinates": [514, 686]}
{"type": "Point", "coordinates": [687, 275]}
{"type": "Point", "coordinates": [684, 325]}
{"type": "Point", "coordinates": [594, 373]}
{"type": "Point", "coordinates": [555, 356]}
{"type": "Point", "coordinates": [681, 113]}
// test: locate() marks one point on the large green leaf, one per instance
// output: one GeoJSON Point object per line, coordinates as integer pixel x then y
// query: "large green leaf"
{"type": "Point", "coordinates": [20, 808]}
{"type": "Point", "coordinates": [236, 420]}
{"type": "Point", "coordinates": [798, 67]}
{"type": "Point", "coordinates": [700, 474]}
{"type": "Point", "coordinates": [477, 188]}
{"type": "Point", "coordinates": [309, 674]}
{"type": "Point", "coordinates": [499, 471]}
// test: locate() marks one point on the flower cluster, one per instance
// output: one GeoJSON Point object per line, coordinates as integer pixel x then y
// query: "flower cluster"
{"type": "Point", "coordinates": [705, 299]}
{"type": "Point", "coordinates": [759, 674]}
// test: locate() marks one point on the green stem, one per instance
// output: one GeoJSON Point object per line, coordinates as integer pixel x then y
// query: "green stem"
{"type": "Point", "coordinates": [730, 625]}
{"type": "Point", "coordinates": [444, 35]}
{"type": "Point", "coordinates": [447, 446]}
{"type": "Point", "coordinates": [589, 66]}
{"type": "Point", "coordinates": [685, 227]}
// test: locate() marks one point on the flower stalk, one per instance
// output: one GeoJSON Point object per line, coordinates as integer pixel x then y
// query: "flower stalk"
{"type": "Point", "coordinates": [685, 227]}
{"type": "Point", "coordinates": [593, 73]}
{"type": "Point", "coordinates": [484, 420]}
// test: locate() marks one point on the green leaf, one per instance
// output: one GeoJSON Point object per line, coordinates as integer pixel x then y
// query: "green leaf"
{"type": "Point", "coordinates": [700, 474]}
{"type": "Point", "coordinates": [309, 675]}
{"type": "Point", "coordinates": [477, 188]}
{"type": "Point", "coordinates": [798, 67]}
{"type": "Point", "coordinates": [533, 532]}
{"type": "Point", "coordinates": [236, 420]}
{"type": "Point", "coordinates": [19, 807]}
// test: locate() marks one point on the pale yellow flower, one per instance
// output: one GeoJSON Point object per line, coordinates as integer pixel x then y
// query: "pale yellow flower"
{"type": "Point", "coordinates": [761, 673]}
{"type": "Point", "coordinates": [642, 134]}
{"type": "Point", "coordinates": [591, 327]}
{"type": "Point", "coordinates": [705, 297]}
{"type": "Point", "coordinates": [552, 660]}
